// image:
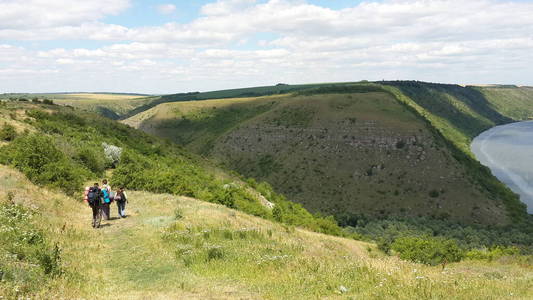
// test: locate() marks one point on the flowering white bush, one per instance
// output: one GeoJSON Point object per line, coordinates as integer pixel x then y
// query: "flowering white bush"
{"type": "Point", "coordinates": [112, 153]}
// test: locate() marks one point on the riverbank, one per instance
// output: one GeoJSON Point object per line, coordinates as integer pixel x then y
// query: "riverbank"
{"type": "Point", "coordinates": [508, 151]}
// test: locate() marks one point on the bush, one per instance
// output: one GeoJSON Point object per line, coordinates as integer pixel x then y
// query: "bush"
{"type": "Point", "coordinates": [430, 251]}
{"type": "Point", "coordinates": [215, 253]}
{"type": "Point", "coordinates": [64, 175]}
{"type": "Point", "coordinates": [112, 154]}
{"type": "Point", "coordinates": [92, 159]}
{"type": "Point", "coordinates": [434, 193]}
{"type": "Point", "coordinates": [493, 253]}
{"type": "Point", "coordinates": [8, 133]}
{"type": "Point", "coordinates": [39, 159]}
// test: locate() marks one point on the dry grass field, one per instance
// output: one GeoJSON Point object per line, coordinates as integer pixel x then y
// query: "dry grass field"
{"type": "Point", "coordinates": [183, 248]}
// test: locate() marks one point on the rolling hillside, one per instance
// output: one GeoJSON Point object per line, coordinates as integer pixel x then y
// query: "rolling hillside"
{"type": "Point", "coordinates": [365, 151]}
{"type": "Point", "coordinates": [461, 113]}
{"type": "Point", "coordinates": [194, 231]}
{"type": "Point", "coordinates": [161, 251]}
{"type": "Point", "coordinates": [111, 105]}
{"type": "Point", "coordinates": [513, 102]}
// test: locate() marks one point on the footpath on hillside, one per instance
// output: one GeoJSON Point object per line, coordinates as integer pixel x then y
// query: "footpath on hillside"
{"type": "Point", "coordinates": [172, 247]}
{"type": "Point", "coordinates": [133, 263]}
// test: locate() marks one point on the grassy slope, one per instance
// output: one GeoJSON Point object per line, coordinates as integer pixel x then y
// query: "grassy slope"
{"type": "Point", "coordinates": [308, 148]}
{"type": "Point", "coordinates": [154, 254]}
{"type": "Point", "coordinates": [109, 105]}
{"type": "Point", "coordinates": [232, 93]}
{"type": "Point", "coordinates": [459, 113]}
{"type": "Point", "coordinates": [512, 102]}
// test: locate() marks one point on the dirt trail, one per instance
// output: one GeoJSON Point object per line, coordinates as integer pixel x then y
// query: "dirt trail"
{"type": "Point", "coordinates": [133, 263]}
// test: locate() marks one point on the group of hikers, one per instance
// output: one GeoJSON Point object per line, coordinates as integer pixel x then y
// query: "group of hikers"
{"type": "Point", "coordinates": [100, 199]}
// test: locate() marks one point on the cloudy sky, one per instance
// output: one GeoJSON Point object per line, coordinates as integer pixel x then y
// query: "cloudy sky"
{"type": "Point", "coordinates": [180, 46]}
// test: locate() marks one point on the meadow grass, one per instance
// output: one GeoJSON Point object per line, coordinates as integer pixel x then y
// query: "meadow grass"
{"type": "Point", "coordinates": [513, 102]}
{"type": "Point", "coordinates": [277, 262]}
{"type": "Point", "coordinates": [115, 105]}
{"type": "Point", "coordinates": [207, 251]}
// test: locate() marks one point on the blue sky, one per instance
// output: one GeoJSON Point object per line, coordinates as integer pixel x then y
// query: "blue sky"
{"type": "Point", "coordinates": [178, 46]}
{"type": "Point", "coordinates": [144, 13]}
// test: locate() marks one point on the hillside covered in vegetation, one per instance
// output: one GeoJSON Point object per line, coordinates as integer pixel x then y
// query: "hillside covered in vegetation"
{"type": "Point", "coordinates": [178, 246]}
{"type": "Point", "coordinates": [399, 149]}
{"type": "Point", "coordinates": [384, 158]}
{"type": "Point", "coordinates": [174, 247]}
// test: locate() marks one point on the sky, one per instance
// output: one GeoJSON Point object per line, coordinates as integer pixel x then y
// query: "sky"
{"type": "Point", "coordinates": [160, 47]}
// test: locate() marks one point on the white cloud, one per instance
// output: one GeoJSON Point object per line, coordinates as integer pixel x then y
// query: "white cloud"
{"type": "Point", "coordinates": [166, 9]}
{"type": "Point", "coordinates": [225, 7]}
{"type": "Point", "coordinates": [33, 14]}
{"type": "Point", "coordinates": [440, 40]}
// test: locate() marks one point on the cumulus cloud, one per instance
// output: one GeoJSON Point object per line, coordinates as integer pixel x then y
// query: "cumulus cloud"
{"type": "Point", "coordinates": [33, 14]}
{"type": "Point", "coordinates": [166, 9]}
{"type": "Point", "coordinates": [225, 7]}
{"type": "Point", "coordinates": [284, 40]}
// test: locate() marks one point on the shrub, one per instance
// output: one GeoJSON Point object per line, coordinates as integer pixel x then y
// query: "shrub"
{"type": "Point", "coordinates": [434, 193]}
{"type": "Point", "coordinates": [400, 144]}
{"type": "Point", "coordinates": [8, 133]}
{"type": "Point", "coordinates": [215, 253]}
{"type": "Point", "coordinates": [64, 175]}
{"type": "Point", "coordinates": [430, 251]}
{"type": "Point", "coordinates": [277, 213]}
{"type": "Point", "coordinates": [92, 159]}
{"type": "Point", "coordinates": [39, 159]}
{"type": "Point", "coordinates": [493, 253]}
{"type": "Point", "coordinates": [112, 154]}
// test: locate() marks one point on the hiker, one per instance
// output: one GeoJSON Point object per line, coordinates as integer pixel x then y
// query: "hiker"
{"type": "Point", "coordinates": [121, 199]}
{"type": "Point", "coordinates": [106, 195]}
{"type": "Point", "coordinates": [94, 199]}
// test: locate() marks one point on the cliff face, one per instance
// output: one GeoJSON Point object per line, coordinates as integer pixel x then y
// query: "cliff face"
{"type": "Point", "coordinates": [342, 154]}
{"type": "Point", "coordinates": [354, 154]}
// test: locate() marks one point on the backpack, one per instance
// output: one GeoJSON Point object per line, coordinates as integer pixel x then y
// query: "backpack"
{"type": "Point", "coordinates": [118, 197]}
{"type": "Point", "coordinates": [105, 194]}
{"type": "Point", "coordinates": [92, 195]}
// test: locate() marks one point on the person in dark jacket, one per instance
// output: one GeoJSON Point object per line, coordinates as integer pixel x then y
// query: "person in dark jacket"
{"type": "Point", "coordinates": [121, 200]}
{"type": "Point", "coordinates": [95, 202]}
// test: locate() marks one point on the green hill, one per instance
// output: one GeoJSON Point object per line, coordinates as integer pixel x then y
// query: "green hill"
{"type": "Point", "coordinates": [513, 102]}
{"type": "Point", "coordinates": [242, 241]}
{"type": "Point", "coordinates": [110, 105]}
{"type": "Point", "coordinates": [461, 113]}
{"type": "Point", "coordinates": [180, 248]}
{"type": "Point", "coordinates": [392, 150]}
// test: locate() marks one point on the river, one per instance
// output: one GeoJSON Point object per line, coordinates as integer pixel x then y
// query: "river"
{"type": "Point", "coordinates": [508, 151]}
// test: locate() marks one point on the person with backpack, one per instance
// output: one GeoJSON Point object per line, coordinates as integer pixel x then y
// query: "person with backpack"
{"type": "Point", "coordinates": [106, 195]}
{"type": "Point", "coordinates": [121, 199]}
{"type": "Point", "coordinates": [94, 199]}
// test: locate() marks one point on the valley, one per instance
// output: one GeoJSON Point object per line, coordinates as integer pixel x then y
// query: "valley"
{"type": "Point", "coordinates": [419, 219]}
{"type": "Point", "coordinates": [397, 149]}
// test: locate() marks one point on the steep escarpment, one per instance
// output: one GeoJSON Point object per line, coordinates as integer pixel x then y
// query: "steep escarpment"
{"type": "Point", "coordinates": [362, 153]}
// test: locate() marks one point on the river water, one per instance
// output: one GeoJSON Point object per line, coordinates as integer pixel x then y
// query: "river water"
{"type": "Point", "coordinates": [508, 151]}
